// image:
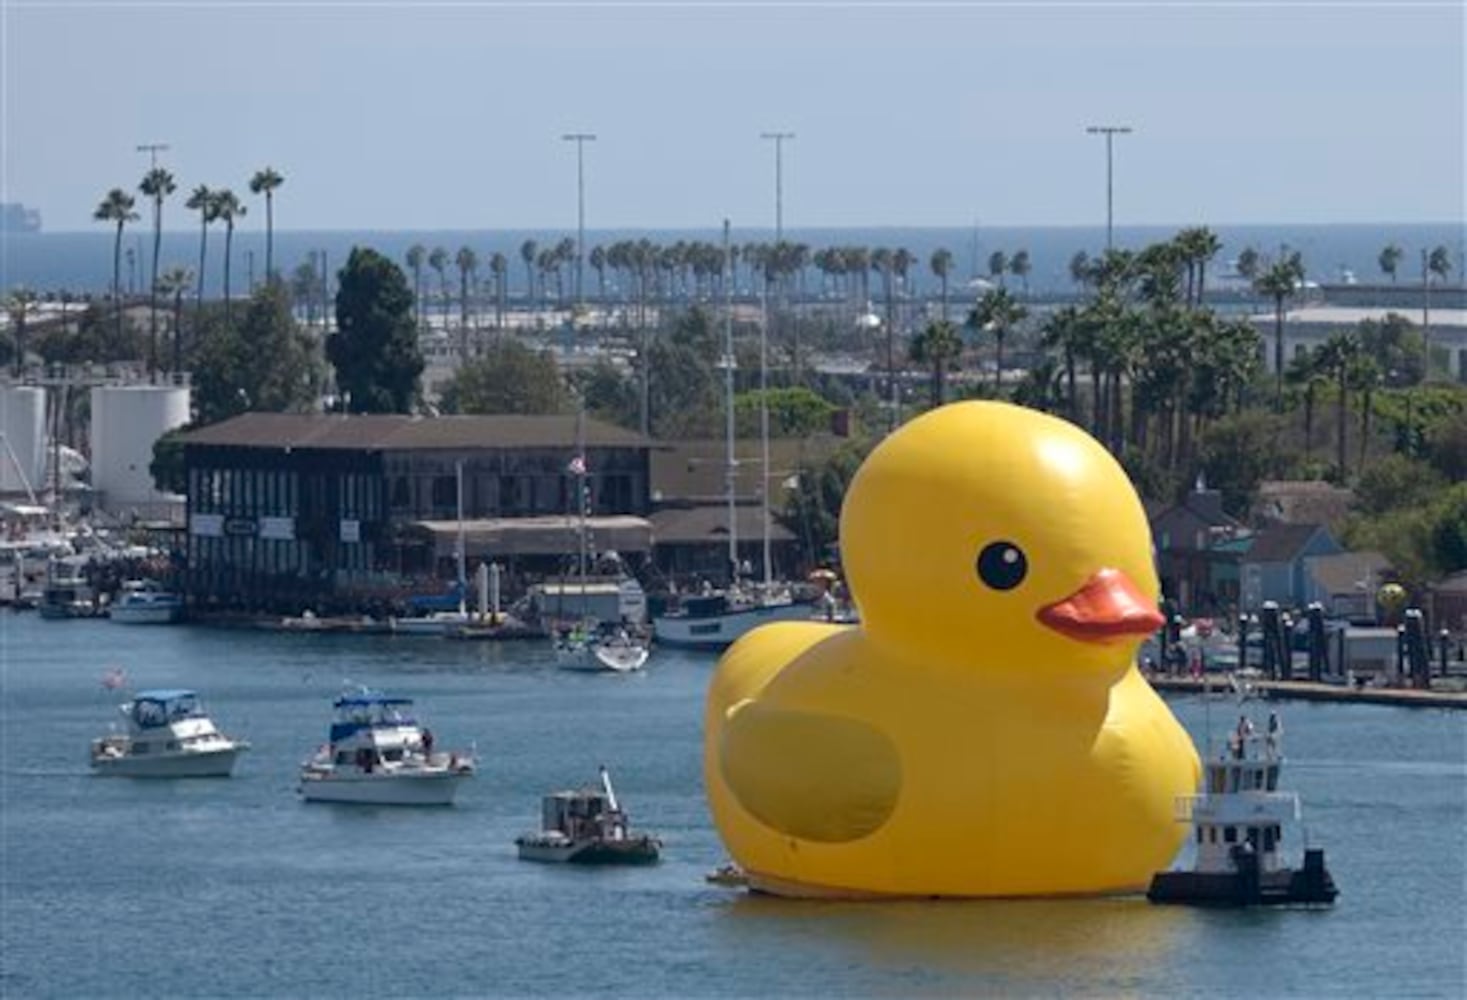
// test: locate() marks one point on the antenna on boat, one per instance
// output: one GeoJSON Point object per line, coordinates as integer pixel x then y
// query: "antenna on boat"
{"type": "Point", "coordinates": [610, 793]}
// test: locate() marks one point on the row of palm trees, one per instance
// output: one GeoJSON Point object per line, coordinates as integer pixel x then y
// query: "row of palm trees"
{"type": "Point", "coordinates": [118, 208]}
{"type": "Point", "coordinates": [1435, 263]}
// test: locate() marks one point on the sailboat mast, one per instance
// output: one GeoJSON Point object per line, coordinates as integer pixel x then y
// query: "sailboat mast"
{"type": "Point", "coordinates": [730, 471]}
{"type": "Point", "coordinates": [581, 495]}
{"type": "Point", "coordinates": [764, 439]}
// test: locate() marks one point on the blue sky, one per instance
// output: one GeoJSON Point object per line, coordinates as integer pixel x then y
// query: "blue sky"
{"type": "Point", "coordinates": [450, 115]}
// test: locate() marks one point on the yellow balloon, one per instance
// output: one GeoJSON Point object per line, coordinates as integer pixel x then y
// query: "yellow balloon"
{"type": "Point", "coordinates": [984, 730]}
{"type": "Point", "coordinates": [1392, 597]}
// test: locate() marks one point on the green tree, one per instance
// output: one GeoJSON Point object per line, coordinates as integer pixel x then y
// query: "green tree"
{"type": "Point", "coordinates": [812, 510]}
{"type": "Point", "coordinates": [999, 312]}
{"type": "Point", "coordinates": [438, 261]}
{"type": "Point", "coordinates": [175, 283]}
{"type": "Point", "coordinates": [416, 255]}
{"type": "Point", "coordinates": [1280, 282]}
{"type": "Point", "coordinates": [228, 207]}
{"type": "Point", "coordinates": [939, 347]}
{"type": "Point", "coordinates": [265, 182]}
{"type": "Point", "coordinates": [265, 363]}
{"type": "Point", "coordinates": [156, 184]}
{"type": "Point", "coordinates": [528, 251]}
{"type": "Point", "coordinates": [1337, 357]}
{"type": "Point", "coordinates": [509, 378]}
{"type": "Point", "coordinates": [794, 411]}
{"type": "Point", "coordinates": [1439, 262]}
{"type": "Point", "coordinates": [1304, 373]}
{"type": "Point", "coordinates": [1019, 266]}
{"type": "Point", "coordinates": [116, 208]}
{"type": "Point", "coordinates": [167, 468]}
{"type": "Point", "coordinates": [1239, 452]}
{"type": "Point", "coordinates": [375, 347]}
{"type": "Point", "coordinates": [942, 266]}
{"type": "Point", "coordinates": [201, 200]}
{"type": "Point", "coordinates": [1393, 481]}
{"type": "Point", "coordinates": [998, 264]}
{"type": "Point", "coordinates": [1248, 264]}
{"type": "Point", "coordinates": [1390, 260]}
{"type": "Point", "coordinates": [468, 266]}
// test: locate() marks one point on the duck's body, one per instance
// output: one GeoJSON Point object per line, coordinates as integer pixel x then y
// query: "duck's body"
{"type": "Point", "coordinates": [962, 757]}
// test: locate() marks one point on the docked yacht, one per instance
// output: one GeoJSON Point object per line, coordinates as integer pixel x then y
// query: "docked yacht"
{"type": "Point", "coordinates": [1239, 822]}
{"type": "Point", "coordinates": [168, 736]}
{"type": "Point", "coordinates": [379, 755]}
{"type": "Point", "coordinates": [587, 827]}
{"type": "Point", "coordinates": [144, 602]}
{"type": "Point", "coordinates": [716, 621]}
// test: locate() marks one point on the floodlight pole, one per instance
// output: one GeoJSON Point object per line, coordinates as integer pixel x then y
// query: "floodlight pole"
{"type": "Point", "coordinates": [580, 139]}
{"type": "Point", "coordinates": [1110, 132]}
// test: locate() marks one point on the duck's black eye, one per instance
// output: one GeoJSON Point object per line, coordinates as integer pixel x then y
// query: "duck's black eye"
{"type": "Point", "coordinates": [1002, 565]}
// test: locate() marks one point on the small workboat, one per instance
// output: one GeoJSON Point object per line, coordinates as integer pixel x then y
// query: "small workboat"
{"type": "Point", "coordinates": [587, 827]}
{"type": "Point", "coordinates": [168, 736]}
{"type": "Point", "coordinates": [379, 755]}
{"type": "Point", "coordinates": [1238, 824]}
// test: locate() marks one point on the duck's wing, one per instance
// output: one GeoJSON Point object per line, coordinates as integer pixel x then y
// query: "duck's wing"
{"type": "Point", "coordinates": [819, 777]}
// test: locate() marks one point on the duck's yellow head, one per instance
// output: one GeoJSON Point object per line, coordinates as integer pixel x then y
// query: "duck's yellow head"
{"type": "Point", "coordinates": [999, 536]}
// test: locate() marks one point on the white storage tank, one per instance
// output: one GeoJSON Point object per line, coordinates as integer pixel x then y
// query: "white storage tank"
{"type": "Point", "coordinates": [127, 420]}
{"type": "Point", "coordinates": [23, 423]}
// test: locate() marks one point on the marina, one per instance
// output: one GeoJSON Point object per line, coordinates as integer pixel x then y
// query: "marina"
{"type": "Point", "coordinates": [89, 886]}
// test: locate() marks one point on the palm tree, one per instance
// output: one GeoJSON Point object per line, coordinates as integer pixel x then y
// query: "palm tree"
{"type": "Point", "coordinates": [415, 255]}
{"type": "Point", "coordinates": [939, 346]}
{"type": "Point", "coordinates": [997, 311]}
{"type": "Point", "coordinates": [156, 184]}
{"type": "Point", "coordinates": [528, 252]}
{"type": "Point", "coordinates": [228, 207]}
{"type": "Point", "coordinates": [1019, 267]}
{"type": "Point", "coordinates": [265, 182]}
{"type": "Point", "coordinates": [1280, 282]}
{"type": "Point", "coordinates": [468, 264]}
{"type": "Point", "coordinates": [1063, 330]}
{"type": "Point", "coordinates": [597, 260]}
{"type": "Point", "coordinates": [1390, 260]}
{"type": "Point", "coordinates": [18, 304]}
{"type": "Point", "coordinates": [116, 207]}
{"type": "Point", "coordinates": [1337, 358]}
{"type": "Point", "coordinates": [1081, 270]}
{"type": "Point", "coordinates": [1248, 263]}
{"type": "Point", "coordinates": [499, 267]}
{"type": "Point", "coordinates": [438, 261]}
{"type": "Point", "coordinates": [175, 282]}
{"type": "Point", "coordinates": [998, 263]}
{"type": "Point", "coordinates": [1434, 263]}
{"type": "Point", "coordinates": [1197, 246]}
{"type": "Point", "coordinates": [1439, 262]}
{"type": "Point", "coordinates": [942, 266]}
{"type": "Point", "coordinates": [1305, 371]}
{"type": "Point", "coordinates": [201, 200]}
{"type": "Point", "coordinates": [1364, 378]}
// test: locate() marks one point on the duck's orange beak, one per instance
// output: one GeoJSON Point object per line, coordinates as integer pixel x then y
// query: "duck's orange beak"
{"type": "Point", "coordinates": [1107, 608]}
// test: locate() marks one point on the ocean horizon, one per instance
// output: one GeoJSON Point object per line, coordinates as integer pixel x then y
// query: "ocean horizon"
{"type": "Point", "coordinates": [81, 261]}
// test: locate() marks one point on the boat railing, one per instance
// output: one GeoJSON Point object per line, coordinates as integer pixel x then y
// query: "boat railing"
{"type": "Point", "coordinates": [1236, 807]}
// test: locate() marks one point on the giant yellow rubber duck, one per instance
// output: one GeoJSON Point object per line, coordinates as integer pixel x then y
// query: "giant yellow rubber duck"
{"type": "Point", "coordinates": [984, 730]}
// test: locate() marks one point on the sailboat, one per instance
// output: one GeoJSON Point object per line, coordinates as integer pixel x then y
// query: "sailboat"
{"type": "Point", "coordinates": [587, 646]}
{"type": "Point", "coordinates": [444, 622]}
{"type": "Point", "coordinates": [714, 621]}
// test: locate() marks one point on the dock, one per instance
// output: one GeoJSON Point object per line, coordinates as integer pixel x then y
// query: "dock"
{"type": "Point", "coordinates": [1317, 691]}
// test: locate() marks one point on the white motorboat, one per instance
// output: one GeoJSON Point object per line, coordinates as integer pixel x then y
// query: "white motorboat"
{"type": "Point", "coordinates": [438, 623]}
{"type": "Point", "coordinates": [585, 647]}
{"type": "Point", "coordinates": [587, 827]}
{"type": "Point", "coordinates": [168, 736]}
{"type": "Point", "coordinates": [144, 602]}
{"type": "Point", "coordinates": [379, 755]}
{"type": "Point", "coordinates": [715, 621]}
{"type": "Point", "coordinates": [621, 652]}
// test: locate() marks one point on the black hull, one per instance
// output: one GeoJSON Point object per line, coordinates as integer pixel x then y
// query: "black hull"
{"type": "Point", "coordinates": [633, 851]}
{"type": "Point", "coordinates": [1307, 886]}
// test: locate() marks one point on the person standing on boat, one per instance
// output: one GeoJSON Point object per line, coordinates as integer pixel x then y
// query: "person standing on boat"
{"type": "Point", "coordinates": [427, 743]}
{"type": "Point", "coordinates": [1275, 735]}
{"type": "Point", "coordinates": [1241, 736]}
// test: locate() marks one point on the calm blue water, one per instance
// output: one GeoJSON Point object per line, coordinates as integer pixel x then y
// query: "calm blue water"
{"type": "Point", "coordinates": [82, 261]}
{"type": "Point", "coordinates": [111, 887]}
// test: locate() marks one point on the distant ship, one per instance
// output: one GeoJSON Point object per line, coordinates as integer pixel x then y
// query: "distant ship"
{"type": "Point", "coordinates": [16, 218]}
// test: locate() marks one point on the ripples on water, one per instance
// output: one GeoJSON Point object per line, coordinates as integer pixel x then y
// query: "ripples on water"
{"type": "Point", "coordinates": [125, 888]}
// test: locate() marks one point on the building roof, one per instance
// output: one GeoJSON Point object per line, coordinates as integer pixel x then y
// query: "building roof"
{"type": "Point", "coordinates": [693, 471]}
{"type": "Point", "coordinates": [1348, 572]}
{"type": "Point", "coordinates": [704, 525]}
{"type": "Point", "coordinates": [1353, 316]}
{"type": "Point", "coordinates": [396, 432]}
{"type": "Point", "coordinates": [1281, 543]}
{"type": "Point", "coordinates": [1303, 501]}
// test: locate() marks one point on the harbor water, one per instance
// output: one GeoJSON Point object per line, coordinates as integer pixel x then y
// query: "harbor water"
{"type": "Point", "coordinates": [122, 888]}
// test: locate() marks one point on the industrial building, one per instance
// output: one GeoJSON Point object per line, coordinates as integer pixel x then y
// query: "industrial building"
{"type": "Point", "coordinates": [325, 511]}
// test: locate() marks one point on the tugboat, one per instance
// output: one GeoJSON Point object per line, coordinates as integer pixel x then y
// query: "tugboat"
{"type": "Point", "coordinates": [379, 755]}
{"type": "Point", "coordinates": [168, 736]}
{"type": "Point", "coordinates": [587, 827]}
{"type": "Point", "coordinates": [1239, 821]}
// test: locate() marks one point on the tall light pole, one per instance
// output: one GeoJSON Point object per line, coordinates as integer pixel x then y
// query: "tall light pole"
{"type": "Point", "coordinates": [1110, 132]}
{"type": "Point", "coordinates": [580, 139]}
{"type": "Point", "coordinates": [153, 149]}
{"type": "Point", "coordinates": [779, 138]}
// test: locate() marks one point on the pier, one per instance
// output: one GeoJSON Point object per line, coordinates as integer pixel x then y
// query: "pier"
{"type": "Point", "coordinates": [1318, 691]}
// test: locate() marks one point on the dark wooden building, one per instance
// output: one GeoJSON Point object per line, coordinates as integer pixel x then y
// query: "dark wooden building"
{"type": "Point", "coordinates": [288, 511]}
